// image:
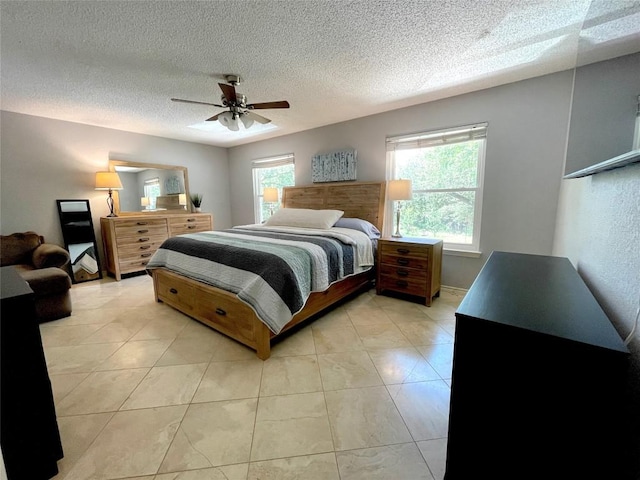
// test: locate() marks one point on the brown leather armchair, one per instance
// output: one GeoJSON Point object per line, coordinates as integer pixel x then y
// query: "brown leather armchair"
{"type": "Point", "coordinates": [44, 268]}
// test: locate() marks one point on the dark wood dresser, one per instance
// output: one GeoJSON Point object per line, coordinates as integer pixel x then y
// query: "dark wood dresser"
{"type": "Point", "coordinates": [538, 376]}
{"type": "Point", "coordinates": [29, 433]}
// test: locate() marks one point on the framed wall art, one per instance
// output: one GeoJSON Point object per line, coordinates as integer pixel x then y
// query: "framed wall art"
{"type": "Point", "coordinates": [337, 166]}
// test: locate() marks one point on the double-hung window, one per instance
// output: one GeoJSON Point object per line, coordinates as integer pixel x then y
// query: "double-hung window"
{"type": "Point", "coordinates": [446, 169]}
{"type": "Point", "coordinates": [152, 191]}
{"type": "Point", "coordinates": [275, 172]}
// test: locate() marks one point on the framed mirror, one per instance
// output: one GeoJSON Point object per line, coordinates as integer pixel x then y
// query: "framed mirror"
{"type": "Point", "coordinates": [79, 239]}
{"type": "Point", "coordinates": [150, 187]}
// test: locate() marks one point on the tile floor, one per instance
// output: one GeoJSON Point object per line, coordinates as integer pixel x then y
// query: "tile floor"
{"type": "Point", "coordinates": [144, 392]}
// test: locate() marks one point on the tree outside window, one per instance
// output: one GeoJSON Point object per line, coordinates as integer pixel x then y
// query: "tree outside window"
{"type": "Point", "coordinates": [276, 172]}
{"type": "Point", "coordinates": [446, 179]}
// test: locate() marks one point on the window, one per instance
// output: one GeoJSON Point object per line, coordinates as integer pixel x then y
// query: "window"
{"type": "Point", "coordinates": [151, 191]}
{"type": "Point", "coordinates": [271, 172]}
{"type": "Point", "coordinates": [446, 169]}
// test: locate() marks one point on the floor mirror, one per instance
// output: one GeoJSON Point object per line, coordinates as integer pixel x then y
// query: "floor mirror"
{"type": "Point", "coordinates": [79, 239]}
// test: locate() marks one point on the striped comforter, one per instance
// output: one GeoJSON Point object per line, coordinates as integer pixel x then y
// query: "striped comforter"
{"type": "Point", "coordinates": [271, 269]}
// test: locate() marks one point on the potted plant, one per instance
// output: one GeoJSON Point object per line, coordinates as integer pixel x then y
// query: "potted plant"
{"type": "Point", "coordinates": [196, 200]}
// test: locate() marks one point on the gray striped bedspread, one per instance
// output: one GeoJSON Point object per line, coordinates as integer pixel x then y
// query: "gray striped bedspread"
{"type": "Point", "coordinates": [271, 269]}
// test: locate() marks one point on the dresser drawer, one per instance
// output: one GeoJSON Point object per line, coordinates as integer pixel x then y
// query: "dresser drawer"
{"type": "Point", "coordinates": [132, 242]}
{"type": "Point", "coordinates": [142, 245]}
{"type": "Point", "coordinates": [134, 223]}
{"type": "Point", "coordinates": [129, 235]}
{"type": "Point", "coordinates": [133, 265]}
{"type": "Point", "coordinates": [200, 226]}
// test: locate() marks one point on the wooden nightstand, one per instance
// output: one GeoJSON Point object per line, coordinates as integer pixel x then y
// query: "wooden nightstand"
{"type": "Point", "coordinates": [411, 266]}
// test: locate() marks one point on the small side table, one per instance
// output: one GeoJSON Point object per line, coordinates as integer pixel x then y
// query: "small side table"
{"type": "Point", "coordinates": [411, 266]}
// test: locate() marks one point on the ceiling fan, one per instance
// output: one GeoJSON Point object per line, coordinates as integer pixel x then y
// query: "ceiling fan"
{"type": "Point", "coordinates": [239, 109]}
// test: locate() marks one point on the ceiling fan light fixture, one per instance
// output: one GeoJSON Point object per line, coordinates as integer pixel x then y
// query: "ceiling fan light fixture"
{"type": "Point", "coordinates": [239, 109]}
{"type": "Point", "coordinates": [228, 120]}
{"type": "Point", "coordinates": [247, 121]}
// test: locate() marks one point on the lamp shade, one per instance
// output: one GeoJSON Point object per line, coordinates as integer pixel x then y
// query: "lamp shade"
{"type": "Point", "coordinates": [229, 120]}
{"type": "Point", "coordinates": [108, 181]}
{"type": "Point", "coordinates": [247, 121]}
{"type": "Point", "coordinates": [399, 190]}
{"type": "Point", "coordinates": [270, 195]}
{"type": "Point", "coordinates": [144, 201]}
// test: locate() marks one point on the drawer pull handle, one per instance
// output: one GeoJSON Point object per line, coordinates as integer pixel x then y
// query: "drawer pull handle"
{"type": "Point", "coordinates": [145, 247]}
{"type": "Point", "coordinates": [403, 251]}
{"type": "Point", "coordinates": [220, 311]}
{"type": "Point", "coordinates": [144, 255]}
{"type": "Point", "coordinates": [402, 283]}
{"type": "Point", "coordinates": [191, 226]}
{"type": "Point", "coordinates": [403, 261]}
{"type": "Point", "coordinates": [144, 239]}
{"type": "Point", "coordinates": [141, 223]}
{"type": "Point", "coordinates": [191, 219]}
{"type": "Point", "coordinates": [402, 273]}
{"type": "Point", "coordinates": [143, 231]}
{"type": "Point", "coordinates": [173, 290]}
{"type": "Point", "coordinates": [144, 263]}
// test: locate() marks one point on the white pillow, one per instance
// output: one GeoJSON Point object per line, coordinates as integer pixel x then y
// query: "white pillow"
{"type": "Point", "coordinates": [305, 218]}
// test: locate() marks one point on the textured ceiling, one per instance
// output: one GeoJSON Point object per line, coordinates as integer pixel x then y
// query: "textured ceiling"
{"type": "Point", "coordinates": [117, 64]}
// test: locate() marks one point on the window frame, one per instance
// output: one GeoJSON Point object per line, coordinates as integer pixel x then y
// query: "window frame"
{"type": "Point", "coordinates": [264, 163]}
{"type": "Point", "coordinates": [430, 139]}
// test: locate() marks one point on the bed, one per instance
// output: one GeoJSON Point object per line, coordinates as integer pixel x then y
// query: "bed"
{"type": "Point", "coordinates": [225, 311]}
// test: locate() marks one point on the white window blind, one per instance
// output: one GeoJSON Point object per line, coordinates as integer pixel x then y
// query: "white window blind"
{"type": "Point", "coordinates": [273, 161]}
{"type": "Point", "coordinates": [438, 137]}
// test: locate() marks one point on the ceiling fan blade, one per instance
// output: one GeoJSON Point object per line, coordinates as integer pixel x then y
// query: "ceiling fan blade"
{"type": "Point", "coordinates": [257, 118]}
{"type": "Point", "coordinates": [280, 104]}
{"type": "Point", "coordinates": [215, 117]}
{"type": "Point", "coordinates": [198, 103]}
{"type": "Point", "coordinates": [229, 92]}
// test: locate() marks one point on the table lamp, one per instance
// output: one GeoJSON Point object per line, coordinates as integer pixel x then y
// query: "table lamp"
{"type": "Point", "coordinates": [108, 181]}
{"type": "Point", "coordinates": [270, 196]}
{"type": "Point", "coordinates": [399, 190]}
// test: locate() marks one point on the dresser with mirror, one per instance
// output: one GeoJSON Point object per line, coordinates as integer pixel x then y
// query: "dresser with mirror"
{"type": "Point", "coordinates": [152, 206]}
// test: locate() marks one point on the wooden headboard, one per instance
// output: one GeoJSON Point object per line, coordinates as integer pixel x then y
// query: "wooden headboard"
{"type": "Point", "coordinates": [357, 199]}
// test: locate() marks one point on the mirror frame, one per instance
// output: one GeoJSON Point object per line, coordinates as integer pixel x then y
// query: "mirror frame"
{"type": "Point", "coordinates": [161, 166]}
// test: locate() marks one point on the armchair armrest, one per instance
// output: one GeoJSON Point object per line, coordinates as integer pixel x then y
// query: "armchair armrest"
{"type": "Point", "coordinates": [50, 255]}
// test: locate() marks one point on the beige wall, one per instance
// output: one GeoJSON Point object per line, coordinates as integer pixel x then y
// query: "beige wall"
{"type": "Point", "coordinates": [526, 141]}
{"type": "Point", "coordinates": [43, 160]}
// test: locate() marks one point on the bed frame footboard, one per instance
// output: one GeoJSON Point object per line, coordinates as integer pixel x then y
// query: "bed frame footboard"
{"type": "Point", "coordinates": [225, 313]}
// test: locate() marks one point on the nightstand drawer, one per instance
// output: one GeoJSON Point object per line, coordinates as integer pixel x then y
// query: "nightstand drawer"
{"type": "Point", "coordinates": [403, 273]}
{"type": "Point", "coordinates": [409, 250]}
{"type": "Point", "coordinates": [404, 261]}
{"type": "Point", "coordinates": [411, 285]}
